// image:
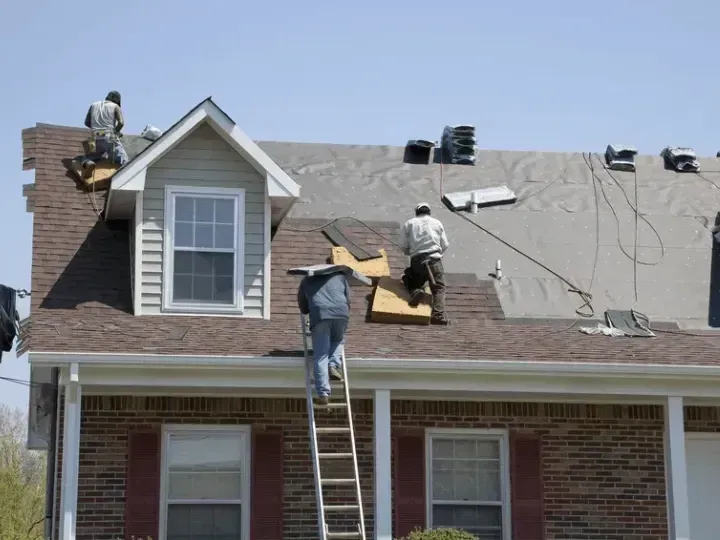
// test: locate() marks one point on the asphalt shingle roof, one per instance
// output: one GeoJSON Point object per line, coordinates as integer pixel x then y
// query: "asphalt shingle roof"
{"type": "Point", "coordinates": [81, 296]}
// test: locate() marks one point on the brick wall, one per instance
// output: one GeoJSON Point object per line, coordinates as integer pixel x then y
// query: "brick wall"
{"type": "Point", "coordinates": [603, 464]}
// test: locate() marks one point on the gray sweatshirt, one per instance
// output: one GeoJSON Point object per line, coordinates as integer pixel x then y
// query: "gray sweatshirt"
{"type": "Point", "coordinates": [324, 297]}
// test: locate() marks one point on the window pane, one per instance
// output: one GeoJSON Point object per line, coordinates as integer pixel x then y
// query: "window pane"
{"type": "Point", "coordinates": [483, 521]}
{"type": "Point", "coordinates": [204, 522]}
{"type": "Point", "coordinates": [204, 277]}
{"type": "Point", "coordinates": [204, 236]}
{"type": "Point", "coordinates": [472, 474]}
{"type": "Point", "coordinates": [202, 288]}
{"type": "Point", "coordinates": [205, 451]}
{"type": "Point", "coordinates": [224, 237]}
{"type": "Point", "coordinates": [182, 288]}
{"type": "Point", "coordinates": [204, 485]}
{"type": "Point", "coordinates": [442, 448]}
{"type": "Point", "coordinates": [204, 210]}
{"type": "Point", "coordinates": [202, 263]}
{"type": "Point", "coordinates": [224, 211]}
{"type": "Point", "coordinates": [223, 264]}
{"type": "Point", "coordinates": [183, 234]}
{"type": "Point", "coordinates": [223, 290]}
{"type": "Point", "coordinates": [183, 209]}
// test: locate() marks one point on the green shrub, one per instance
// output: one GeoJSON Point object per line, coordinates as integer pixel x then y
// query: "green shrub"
{"type": "Point", "coordinates": [439, 534]}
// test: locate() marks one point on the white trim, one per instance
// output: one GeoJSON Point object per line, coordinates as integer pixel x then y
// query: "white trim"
{"type": "Point", "coordinates": [243, 430]}
{"type": "Point", "coordinates": [499, 435]}
{"type": "Point", "coordinates": [205, 111]}
{"type": "Point", "coordinates": [382, 460]}
{"type": "Point", "coordinates": [267, 268]}
{"type": "Point", "coordinates": [138, 250]}
{"type": "Point", "coordinates": [238, 197]}
{"type": "Point", "coordinates": [71, 456]}
{"type": "Point", "coordinates": [589, 369]}
{"type": "Point", "coordinates": [678, 510]}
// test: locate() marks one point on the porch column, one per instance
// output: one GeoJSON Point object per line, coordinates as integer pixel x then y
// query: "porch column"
{"type": "Point", "coordinates": [383, 469]}
{"type": "Point", "coordinates": [676, 470]}
{"type": "Point", "coordinates": [71, 456]}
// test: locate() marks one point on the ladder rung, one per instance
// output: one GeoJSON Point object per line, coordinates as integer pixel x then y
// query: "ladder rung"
{"type": "Point", "coordinates": [333, 405]}
{"type": "Point", "coordinates": [332, 429]}
{"type": "Point", "coordinates": [340, 507]}
{"type": "Point", "coordinates": [337, 481]}
{"type": "Point", "coordinates": [335, 455]}
{"type": "Point", "coordinates": [355, 534]}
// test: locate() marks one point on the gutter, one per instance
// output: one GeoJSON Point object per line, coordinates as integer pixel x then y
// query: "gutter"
{"type": "Point", "coordinates": [51, 461]}
{"type": "Point", "coordinates": [397, 365]}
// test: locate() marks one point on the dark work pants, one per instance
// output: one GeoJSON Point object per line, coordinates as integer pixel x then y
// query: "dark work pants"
{"type": "Point", "coordinates": [417, 275]}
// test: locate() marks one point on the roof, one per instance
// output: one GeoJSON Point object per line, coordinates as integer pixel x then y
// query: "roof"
{"type": "Point", "coordinates": [131, 176]}
{"type": "Point", "coordinates": [81, 270]}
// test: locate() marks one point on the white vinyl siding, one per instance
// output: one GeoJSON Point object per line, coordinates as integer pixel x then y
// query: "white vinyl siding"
{"type": "Point", "coordinates": [205, 483]}
{"type": "Point", "coordinates": [467, 483]}
{"type": "Point", "coordinates": [202, 160]}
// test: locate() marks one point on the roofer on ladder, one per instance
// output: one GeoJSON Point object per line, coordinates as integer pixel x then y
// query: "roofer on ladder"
{"type": "Point", "coordinates": [105, 119]}
{"type": "Point", "coordinates": [326, 299]}
{"type": "Point", "coordinates": [424, 241]}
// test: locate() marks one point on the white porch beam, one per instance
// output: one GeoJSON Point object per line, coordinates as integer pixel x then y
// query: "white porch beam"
{"type": "Point", "coordinates": [676, 470]}
{"type": "Point", "coordinates": [71, 455]}
{"type": "Point", "coordinates": [383, 468]}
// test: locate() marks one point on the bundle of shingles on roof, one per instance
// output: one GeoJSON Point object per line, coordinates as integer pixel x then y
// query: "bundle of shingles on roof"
{"type": "Point", "coordinates": [622, 323]}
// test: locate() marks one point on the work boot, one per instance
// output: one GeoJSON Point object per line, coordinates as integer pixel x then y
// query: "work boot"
{"type": "Point", "coordinates": [321, 400]}
{"type": "Point", "coordinates": [415, 298]}
{"type": "Point", "coordinates": [439, 319]}
{"type": "Point", "coordinates": [335, 374]}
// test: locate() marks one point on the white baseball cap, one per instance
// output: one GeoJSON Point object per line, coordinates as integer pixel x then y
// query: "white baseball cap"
{"type": "Point", "coordinates": [421, 206]}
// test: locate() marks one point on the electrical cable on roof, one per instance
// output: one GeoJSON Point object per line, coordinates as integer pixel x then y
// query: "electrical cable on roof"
{"type": "Point", "coordinates": [706, 179]}
{"type": "Point", "coordinates": [632, 206]}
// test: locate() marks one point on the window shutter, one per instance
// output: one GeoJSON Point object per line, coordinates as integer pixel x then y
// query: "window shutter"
{"type": "Point", "coordinates": [142, 492]}
{"type": "Point", "coordinates": [409, 484]}
{"type": "Point", "coordinates": [268, 487]}
{"type": "Point", "coordinates": [526, 481]}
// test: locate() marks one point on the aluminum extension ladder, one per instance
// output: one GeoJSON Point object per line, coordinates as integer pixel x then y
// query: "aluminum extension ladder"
{"type": "Point", "coordinates": [354, 503]}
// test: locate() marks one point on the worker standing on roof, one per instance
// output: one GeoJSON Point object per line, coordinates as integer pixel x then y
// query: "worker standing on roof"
{"type": "Point", "coordinates": [105, 119]}
{"type": "Point", "coordinates": [425, 241]}
{"type": "Point", "coordinates": [326, 298]}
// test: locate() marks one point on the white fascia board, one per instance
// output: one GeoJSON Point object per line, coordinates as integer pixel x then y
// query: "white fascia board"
{"type": "Point", "coordinates": [398, 365]}
{"type": "Point", "coordinates": [122, 180]}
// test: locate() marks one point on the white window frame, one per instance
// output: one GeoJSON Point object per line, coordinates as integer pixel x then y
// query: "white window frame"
{"type": "Point", "coordinates": [238, 196]}
{"type": "Point", "coordinates": [202, 430]}
{"type": "Point", "coordinates": [497, 435]}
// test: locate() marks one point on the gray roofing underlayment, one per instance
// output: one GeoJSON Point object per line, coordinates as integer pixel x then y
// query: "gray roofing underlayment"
{"type": "Point", "coordinates": [554, 220]}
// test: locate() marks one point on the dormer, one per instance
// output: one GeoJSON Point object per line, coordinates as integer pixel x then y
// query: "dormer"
{"type": "Point", "coordinates": [620, 158]}
{"type": "Point", "coordinates": [202, 199]}
{"type": "Point", "coordinates": [680, 159]}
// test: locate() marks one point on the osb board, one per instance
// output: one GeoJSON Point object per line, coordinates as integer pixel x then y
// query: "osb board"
{"type": "Point", "coordinates": [372, 268]}
{"type": "Point", "coordinates": [100, 180]}
{"type": "Point", "coordinates": [390, 304]}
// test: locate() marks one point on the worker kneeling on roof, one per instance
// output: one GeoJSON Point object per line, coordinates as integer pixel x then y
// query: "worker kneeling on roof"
{"type": "Point", "coordinates": [105, 119]}
{"type": "Point", "coordinates": [425, 241]}
{"type": "Point", "coordinates": [326, 298]}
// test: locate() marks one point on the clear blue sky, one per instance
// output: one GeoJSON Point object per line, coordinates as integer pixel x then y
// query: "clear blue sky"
{"type": "Point", "coordinates": [550, 75]}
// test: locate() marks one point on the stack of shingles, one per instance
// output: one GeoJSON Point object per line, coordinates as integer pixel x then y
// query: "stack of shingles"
{"type": "Point", "coordinates": [467, 298]}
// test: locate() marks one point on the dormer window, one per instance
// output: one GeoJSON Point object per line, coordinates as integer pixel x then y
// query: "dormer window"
{"type": "Point", "coordinates": [620, 158]}
{"type": "Point", "coordinates": [204, 249]}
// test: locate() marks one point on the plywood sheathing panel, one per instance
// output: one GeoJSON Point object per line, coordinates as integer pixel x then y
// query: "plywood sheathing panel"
{"type": "Point", "coordinates": [100, 180]}
{"type": "Point", "coordinates": [372, 268]}
{"type": "Point", "coordinates": [390, 304]}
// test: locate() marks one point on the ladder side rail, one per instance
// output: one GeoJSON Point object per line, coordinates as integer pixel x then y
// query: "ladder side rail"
{"type": "Point", "coordinates": [313, 433]}
{"type": "Point", "coordinates": [358, 490]}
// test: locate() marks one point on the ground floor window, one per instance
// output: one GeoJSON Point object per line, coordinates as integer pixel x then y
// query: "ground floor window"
{"type": "Point", "coordinates": [467, 482]}
{"type": "Point", "coordinates": [206, 483]}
